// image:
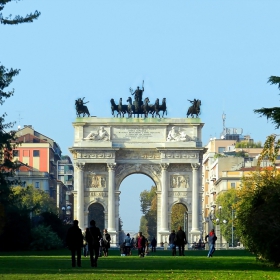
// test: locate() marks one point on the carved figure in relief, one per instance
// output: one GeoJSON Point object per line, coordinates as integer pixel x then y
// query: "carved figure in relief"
{"type": "Point", "coordinates": [96, 181]}
{"type": "Point", "coordinates": [179, 181]}
{"type": "Point", "coordinates": [177, 136]}
{"type": "Point", "coordinates": [101, 135]}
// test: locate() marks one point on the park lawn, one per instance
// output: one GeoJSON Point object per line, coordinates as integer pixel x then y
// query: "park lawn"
{"type": "Point", "coordinates": [159, 265]}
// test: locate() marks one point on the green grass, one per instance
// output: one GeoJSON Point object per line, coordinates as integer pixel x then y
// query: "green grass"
{"type": "Point", "coordinates": [159, 265]}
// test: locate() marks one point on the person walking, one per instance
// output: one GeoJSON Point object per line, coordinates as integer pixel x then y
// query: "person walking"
{"type": "Point", "coordinates": [154, 244]}
{"type": "Point", "coordinates": [93, 235]}
{"type": "Point", "coordinates": [181, 241]}
{"type": "Point", "coordinates": [140, 243]}
{"type": "Point", "coordinates": [211, 241]}
{"type": "Point", "coordinates": [74, 241]}
{"type": "Point", "coordinates": [127, 242]}
{"type": "Point", "coordinates": [106, 242]}
{"type": "Point", "coordinates": [85, 244]}
{"type": "Point", "coordinates": [172, 242]}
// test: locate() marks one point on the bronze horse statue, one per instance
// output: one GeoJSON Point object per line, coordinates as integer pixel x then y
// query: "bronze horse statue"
{"type": "Point", "coordinates": [194, 109]}
{"type": "Point", "coordinates": [114, 107]}
{"type": "Point", "coordinates": [157, 108]}
{"type": "Point", "coordinates": [122, 109]}
{"type": "Point", "coordinates": [81, 108]}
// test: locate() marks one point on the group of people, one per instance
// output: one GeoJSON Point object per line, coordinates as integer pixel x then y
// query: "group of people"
{"type": "Point", "coordinates": [179, 240]}
{"type": "Point", "coordinates": [91, 240]}
{"type": "Point", "coordinates": [141, 243]}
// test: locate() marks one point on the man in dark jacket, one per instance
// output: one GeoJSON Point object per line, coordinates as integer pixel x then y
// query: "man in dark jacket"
{"type": "Point", "coordinates": [211, 241]}
{"type": "Point", "coordinates": [93, 236]}
{"type": "Point", "coordinates": [154, 244]}
{"type": "Point", "coordinates": [74, 241]}
{"type": "Point", "coordinates": [181, 241]}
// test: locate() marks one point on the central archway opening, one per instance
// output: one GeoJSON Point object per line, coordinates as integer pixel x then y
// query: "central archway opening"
{"type": "Point", "coordinates": [137, 210]}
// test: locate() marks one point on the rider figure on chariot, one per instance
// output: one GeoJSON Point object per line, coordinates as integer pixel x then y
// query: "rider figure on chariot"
{"type": "Point", "coordinates": [138, 93]}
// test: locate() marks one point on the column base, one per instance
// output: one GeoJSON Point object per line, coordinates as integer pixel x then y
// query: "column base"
{"type": "Point", "coordinates": [195, 235]}
{"type": "Point", "coordinates": [114, 238]}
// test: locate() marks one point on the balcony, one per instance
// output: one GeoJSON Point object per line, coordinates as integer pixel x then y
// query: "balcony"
{"type": "Point", "coordinates": [213, 177]}
{"type": "Point", "coordinates": [70, 182]}
{"type": "Point", "coordinates": [212, 204]}
{"type": "Point", "coordinates": [213, 190]}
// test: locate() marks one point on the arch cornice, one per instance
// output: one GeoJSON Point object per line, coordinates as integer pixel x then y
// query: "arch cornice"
{"type": "Point", "coordinates": [97, 200]}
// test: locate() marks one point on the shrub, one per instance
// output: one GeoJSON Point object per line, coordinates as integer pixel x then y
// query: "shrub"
{"type": "Point", "coordinates": [43, 238]}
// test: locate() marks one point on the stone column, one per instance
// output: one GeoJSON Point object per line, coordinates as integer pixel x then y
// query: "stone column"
{"type": "Point", "coordinates": [195, 200]}
{"type": "Point", "coordinates": [80, 194]}
{"type": "Point", "coordinates": [111, 198]}
{"type": "Point", "coordinates": [164, 198]}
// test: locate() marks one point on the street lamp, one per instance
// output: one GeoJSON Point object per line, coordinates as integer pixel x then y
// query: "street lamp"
{"type": "Point", "coordinates": [63, 208]}
{"type": "Point", "coordinates": [217, 221]}
{"type": "Point", "coordinates": [68, 212]}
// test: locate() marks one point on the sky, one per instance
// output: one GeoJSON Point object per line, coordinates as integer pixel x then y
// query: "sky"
{"type": "Point", "coordinates": [221, 52]}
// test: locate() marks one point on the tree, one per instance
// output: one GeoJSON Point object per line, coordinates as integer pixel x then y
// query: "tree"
{"type": "Point", "coordinates": [178, 216]}
{"type": "Point", "coordinates": [258, 218]}
{"type": "Point", "coordinates": [17, 19]}
{"type": "Point", "coordinates": [148, 223]}
{"type": "Point", "coordinates": [8, 138]}
{"type": "Point", "coordinates": [35, 200]}
{"type": "Point", "coordinates": [271, 113]}
{"type": "Point", "coordinates": [227, 200]}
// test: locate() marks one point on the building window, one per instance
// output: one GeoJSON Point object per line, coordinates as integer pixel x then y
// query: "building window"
{"type": "Point", "coordinates": [37, 185]}
{"type": "Point", "coordinates": [232, 185]}
{"type": "Point", "coordinates": [36, 153]}
{"type": "Point", "coordinates": [221, 149]}
{"type": "Point", "coordinates": [16, 153]}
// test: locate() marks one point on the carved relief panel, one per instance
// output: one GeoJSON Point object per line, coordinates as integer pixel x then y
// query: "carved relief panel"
{"type": "Point", "coordinates": [96, 181]}
{"type": "Point", "coordinates": [179, 181]}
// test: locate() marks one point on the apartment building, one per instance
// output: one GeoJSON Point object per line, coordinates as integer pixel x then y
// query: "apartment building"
{"type": "Point", "coordinates": [40, 154]}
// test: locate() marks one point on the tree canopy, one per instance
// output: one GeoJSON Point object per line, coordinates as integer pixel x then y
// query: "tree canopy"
{"type": "Point", "coordinates": [148, 223]}
{"type": "Point", "coordinates": [16, 19]}
{"type": "Point", "coordinates": [258, 218]}
{"type": "Point", "coordinates": [227, 200]}
{"type": "Point", "coordinates": [8, 208]}
{"type": "Point", "coordinates": [271, 113]}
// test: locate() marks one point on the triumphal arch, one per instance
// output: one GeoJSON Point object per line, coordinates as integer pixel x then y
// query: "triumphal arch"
{"type": "Point", "coordinates": [169, 151]}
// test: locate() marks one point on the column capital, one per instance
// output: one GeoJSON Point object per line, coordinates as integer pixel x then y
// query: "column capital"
{"type": "Point", "coordinates": [164, 166]}
{"type": "Point", "coordinates": [80, 165]}
{"type": "Point", "coordinates": [195, 166]}
{"type": "Point", "coordinates": [111, 166]}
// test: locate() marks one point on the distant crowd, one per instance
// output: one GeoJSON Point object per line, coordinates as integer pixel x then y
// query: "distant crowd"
{"type": "Point", "coordinates": [94, 244]}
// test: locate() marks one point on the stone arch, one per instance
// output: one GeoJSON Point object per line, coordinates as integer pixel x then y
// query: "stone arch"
{"type": "Point", "coordinates": [152, 171]}
{"type": "Point", "coordinates": [96, 212]}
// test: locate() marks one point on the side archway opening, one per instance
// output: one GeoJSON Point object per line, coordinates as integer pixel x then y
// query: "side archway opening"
{"type": "Point", "coordinates": [96, 212]}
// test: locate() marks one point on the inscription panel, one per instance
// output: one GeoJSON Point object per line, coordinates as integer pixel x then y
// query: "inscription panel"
{"type": "Point", "coordinates": [136, 134]}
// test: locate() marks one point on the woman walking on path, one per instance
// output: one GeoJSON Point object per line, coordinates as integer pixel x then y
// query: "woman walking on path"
{"type": "Point", "coordinates": [106, 242]}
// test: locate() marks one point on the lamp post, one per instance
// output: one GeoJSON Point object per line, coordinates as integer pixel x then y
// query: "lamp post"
{"type": "Point", "coordinates": [217, 221]}
{"type": "Point", "coordinates": [232, 212]}
{"type": "Point", "coordinates": [68, 212]}
{"type": "Point", "coordinates": [63, 212]}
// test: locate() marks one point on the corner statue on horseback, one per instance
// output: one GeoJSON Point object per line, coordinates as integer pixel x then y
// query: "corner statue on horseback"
{"type": "Point", "coordinates": [81, 108]}
{"type": "Point", "coordinates": [194, 109]}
